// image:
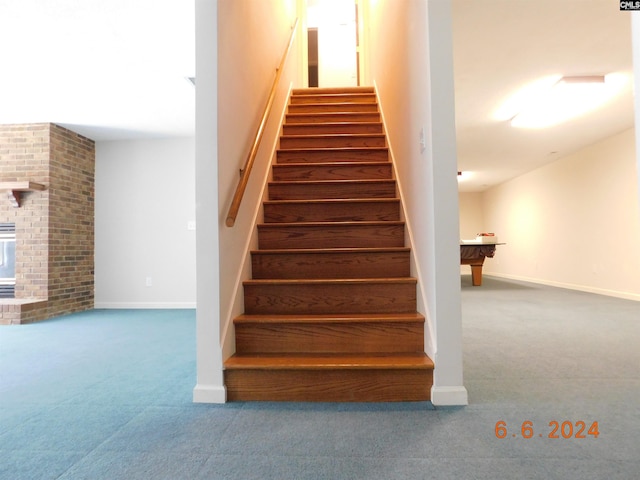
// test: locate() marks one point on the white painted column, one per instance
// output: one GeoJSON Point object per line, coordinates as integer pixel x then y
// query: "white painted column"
{"type": "Point", "coordinates": [444, 293]}
{"type": "Point", "coordinates": [210, 384]}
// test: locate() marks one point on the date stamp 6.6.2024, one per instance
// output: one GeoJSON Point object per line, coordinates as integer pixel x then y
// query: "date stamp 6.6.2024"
{"type": "Point", "coordinates": [554, 429]}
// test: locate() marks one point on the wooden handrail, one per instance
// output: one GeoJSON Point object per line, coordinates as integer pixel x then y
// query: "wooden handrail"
{"type": "Point", "coordinates": [246, 170]}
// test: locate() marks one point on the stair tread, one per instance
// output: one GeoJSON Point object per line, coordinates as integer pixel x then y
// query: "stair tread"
{"type": "Point", "coordinates": [327, 182]}
{"type": "Point", "coordinates": [329, 124]}
{"type": "Point", "coordinates": [304, 201]}
{"type": "Point", "coordinates": [325, 90]}
{"type": "Point", "coordinates": [340, 115]}
{"type": "Point", "coordinates": [418, 360]}
{"type": "Point", "coordinates": [336, 135]}
{"type": "Point", "coordinates": [343, 102]}
{"type": "Point", "coordinates": [331, 164]}
{"type": "Point", "coordinates": [312, 94]}
{"type": "Point", "coordinates": [331, 318]}
{"type": "Point", "coordinates": [332, 224]}
{"type": "Point", "coordinates": [320, 281]}
{"type": "Point", "coordinates": [331, 114]}
{"type": "Point", "coordinates": [330, 250]}
{"type": "Point", "coordinates": [333, 149]}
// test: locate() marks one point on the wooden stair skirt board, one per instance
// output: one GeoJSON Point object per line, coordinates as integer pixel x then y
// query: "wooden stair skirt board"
{"type": "Point", "coordinates": [330, 311]}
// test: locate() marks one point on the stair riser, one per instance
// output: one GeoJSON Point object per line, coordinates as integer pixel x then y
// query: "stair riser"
{"type": "Point", "coordinates": [337, 211]}
{"type": "Point", "coordinates": [357, 171]}
{"type": "Point", "coordinates": [344, 190]}
{"type": "Point", "coordinates": [332, 156]}
{"type": "Point", "coordinates": [273, 236]}
{"type": "Point", "coordinates": [327, 298]}
{"type": "Point", "coordinates": [342, 338]}
{"type": "Point", "coordinates": [330, 265]}
{"type": "Point", "coordinates": [329, 128]}
{"type": "Point", "coordinates": [329, 117]}
{"type": "Point", "coordinates": [332, 141]}
{"type": "Point", "coordinates": [333, 107]}
{"type": "Point", "coordinates": [388, 385]}
{"type": "Point", "coordinates": [334, 98]}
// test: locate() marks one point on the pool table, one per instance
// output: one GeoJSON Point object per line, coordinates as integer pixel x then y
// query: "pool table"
{"type": "Point", "coordinates": [474, 255]}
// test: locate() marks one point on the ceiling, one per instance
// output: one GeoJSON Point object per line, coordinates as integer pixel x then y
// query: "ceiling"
{"type": "Point", "coordinates": [107, 69]}
{"type": "Point", "coordinates": [502, 45]}
{"type": "Point", "coordinates": [118, 69]}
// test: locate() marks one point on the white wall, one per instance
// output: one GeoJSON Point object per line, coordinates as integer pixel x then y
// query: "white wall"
{"type": "Point", "coordinates": [410, 61]}
{"type": "Point", "coordinates": [574, 223]}
{"type": "Point", "coordinates": [471, 214]}
{"type": "Point", "coordinates": [144, 200]}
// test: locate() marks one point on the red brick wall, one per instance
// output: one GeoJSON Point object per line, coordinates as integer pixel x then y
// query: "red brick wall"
{"type": "Point", "coordinates": [54, 227]}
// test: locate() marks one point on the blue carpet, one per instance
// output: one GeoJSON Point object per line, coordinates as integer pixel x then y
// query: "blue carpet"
{"type": "Point", "coordinates": [107, 395]}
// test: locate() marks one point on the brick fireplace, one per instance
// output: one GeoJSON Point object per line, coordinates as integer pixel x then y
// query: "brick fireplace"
{"type": "Point", "coordinates": [47, 191]}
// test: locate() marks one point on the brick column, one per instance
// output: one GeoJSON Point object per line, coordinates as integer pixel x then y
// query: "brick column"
{"type": "Point", "coordinates": [54, 227]}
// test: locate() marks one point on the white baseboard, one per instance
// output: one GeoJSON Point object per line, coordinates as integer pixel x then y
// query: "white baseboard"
{"type": "Point", "coordinates": [209, 394]}
{"type": "Point", "coordinates": [569, 286]}
{"type": "Point", "coordinates": [144, 305]}
{"type": "Point", "coordinates": [449, 396]}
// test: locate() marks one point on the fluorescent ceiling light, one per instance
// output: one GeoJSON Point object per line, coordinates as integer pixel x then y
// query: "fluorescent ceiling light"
{"type": "Point", "coordinates": [556, 99]}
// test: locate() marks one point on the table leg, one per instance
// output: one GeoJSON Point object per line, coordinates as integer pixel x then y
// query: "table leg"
{"type": "Point", "coordinates": [476, 275]}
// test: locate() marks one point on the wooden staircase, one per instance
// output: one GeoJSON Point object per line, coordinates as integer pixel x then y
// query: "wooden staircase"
{"type": "Point", "coordinates": [330, 313]}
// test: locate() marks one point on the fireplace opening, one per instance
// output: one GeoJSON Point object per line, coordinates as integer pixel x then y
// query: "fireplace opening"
{"type": "Point", "coordinates": [7, 260]}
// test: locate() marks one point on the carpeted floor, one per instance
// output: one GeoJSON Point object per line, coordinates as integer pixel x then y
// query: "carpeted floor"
{"type": "Point", "coordinates": [107, 395]}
